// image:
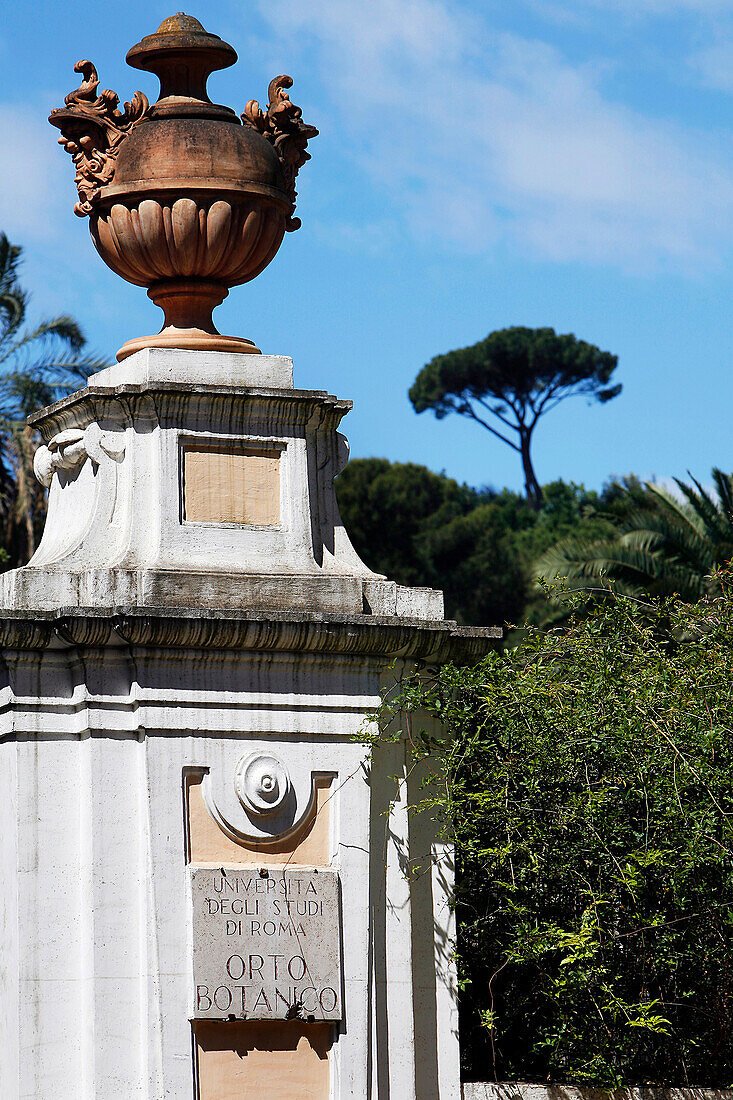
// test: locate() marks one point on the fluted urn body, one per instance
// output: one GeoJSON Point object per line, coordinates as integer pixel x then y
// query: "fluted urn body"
{"type": "Point", "coordinates": [184, 197]}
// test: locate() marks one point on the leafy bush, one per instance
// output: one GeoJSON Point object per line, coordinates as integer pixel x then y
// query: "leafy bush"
{"type": "Point", "coordinates": [589, 793]}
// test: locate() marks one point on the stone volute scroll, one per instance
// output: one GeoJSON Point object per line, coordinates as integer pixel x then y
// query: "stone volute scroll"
{"type": "Point", "coordinates": [183, 198]}
{"type": "Point", "coordinates": [69, 449]}
{"type": "Point", "coordinates": [282, 124]}
{"type": "Point", "coordinates": [92, 130]}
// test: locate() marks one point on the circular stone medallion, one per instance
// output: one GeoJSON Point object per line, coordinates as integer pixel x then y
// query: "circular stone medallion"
{"type": "Point", "coordinates": [262, 783]}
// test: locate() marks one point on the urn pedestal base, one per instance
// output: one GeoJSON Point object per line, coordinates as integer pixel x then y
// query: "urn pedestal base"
{"type": "Point", "coordinates": [188, 339]}
{"type": "Point", "coordinates": [115, 759]}
{"type": "Point", "coordinates": [188, 305]}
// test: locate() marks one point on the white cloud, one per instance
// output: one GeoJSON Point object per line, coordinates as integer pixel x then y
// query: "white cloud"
{"type": "Point", "coordinates": [662, 7]}
{"type": "Point", "coordinates": [469, 138]}
{"type": "Point", "coordinates": [37, 195]}
{"type": "Point", "coordinates": [370, 238]}
{"type": "Point", "coordinates": [475, 137]}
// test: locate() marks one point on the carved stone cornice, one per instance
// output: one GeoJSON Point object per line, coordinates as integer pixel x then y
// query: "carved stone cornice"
{"type": "Point", "coordinates": [171, 401]}
{"type": "Point", "coordinates": [378, 637]}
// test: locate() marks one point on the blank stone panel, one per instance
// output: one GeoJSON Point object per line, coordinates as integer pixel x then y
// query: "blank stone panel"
{"type": "Point", "coordinates": [276, 1060]}
{"type": "Point", "coordinates": [231, 485]}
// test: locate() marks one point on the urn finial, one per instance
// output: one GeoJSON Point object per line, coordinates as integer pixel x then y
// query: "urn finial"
{"type": "Point", "coordinates": [183, 55]}
{"type": "Point", "coordinates": [183, 198]}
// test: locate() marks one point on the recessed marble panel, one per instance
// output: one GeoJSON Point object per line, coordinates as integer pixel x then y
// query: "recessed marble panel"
{"type": "Point", "coordinates": [266, 943]}
{"type": "Point", "coordinates": [231, 485]}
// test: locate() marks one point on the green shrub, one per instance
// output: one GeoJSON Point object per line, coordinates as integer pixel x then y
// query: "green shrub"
{"type": "Point", "coordinates": [589, 793]}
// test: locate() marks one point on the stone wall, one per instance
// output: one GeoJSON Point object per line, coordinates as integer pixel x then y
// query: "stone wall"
{"type": "Point", "coordinates": [519, 1090]}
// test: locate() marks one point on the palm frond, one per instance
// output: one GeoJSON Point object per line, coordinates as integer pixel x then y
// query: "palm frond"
{"type": "Point", "coordinates": [71, 369]}
{"type": "Point", "coordinates": [12, 311]}
{"type": "Point", "coordinates": [674, 507]}
{"type": "Point", "coordinates": [611, 558]}
{"type": "Point", "coordinates": [709, 512]}
{"type": "Point", "coordinates": [678, 536]}
{"type": "Point", "coordinates": [13, 299]}
{"type": "Point", "coordinates": [663, 546]}
{"type": "Point", "coordinates": [724, 487]}
{"type": "Point", "coordinates": [10, 255]}
{"type": "Point", "coordinates": [61, 329]}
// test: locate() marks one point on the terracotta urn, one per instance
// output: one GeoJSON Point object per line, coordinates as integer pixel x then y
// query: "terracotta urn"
{"type": "Point", "coordinates": [184, 197]}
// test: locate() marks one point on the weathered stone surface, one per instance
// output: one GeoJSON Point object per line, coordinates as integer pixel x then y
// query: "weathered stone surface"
{"type": "Point", "coordinates": [376, 636]}
{"type": "Point", "coordinates": [144, 654]}
{"type": "Point", "coordinates": [190, 681]}
{"type": "Point", "coordinates": [126, 530]}
{"type": "Point", "coordinates": [266, 943]}
{"type": "Point", "coordinates": [200, 368]}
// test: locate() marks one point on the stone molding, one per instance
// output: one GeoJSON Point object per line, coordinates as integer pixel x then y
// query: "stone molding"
{"type": "Point", "coordinates": [174, 401]}
{"type": "Point", "coordinates": [271, 372]}
{"type": "Point", "coordinates": [367, 636]}
{"type": "Point", "coordinates": [119, 533]}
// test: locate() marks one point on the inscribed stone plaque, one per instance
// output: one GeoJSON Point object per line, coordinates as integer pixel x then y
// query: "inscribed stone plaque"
{"type": "Point", "coordinates": [231, 485]}
{"type": "Point", "coordinates": [266, 943]}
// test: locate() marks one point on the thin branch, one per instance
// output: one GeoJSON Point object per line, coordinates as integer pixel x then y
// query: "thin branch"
{"type": "Point", "coordinates": [469, 411]}
{"type": "Point", "coordinates": [498, 415]}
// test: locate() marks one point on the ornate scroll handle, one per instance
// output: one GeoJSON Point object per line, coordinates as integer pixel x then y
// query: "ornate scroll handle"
{"type": "Point", "coordinates": [92, 130]}
{"type": "Point", "coordinates": [71, 448]}
{"type": "Point", "coordinates": [282, 124]}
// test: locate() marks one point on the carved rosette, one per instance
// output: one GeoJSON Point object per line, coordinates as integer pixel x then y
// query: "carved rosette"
{"type": "Point", "coordinates": [282, 125]}
{"type": "Point", "coordinates": [262, 784]}
{"type": "Point", "coordinates": [92, 130]}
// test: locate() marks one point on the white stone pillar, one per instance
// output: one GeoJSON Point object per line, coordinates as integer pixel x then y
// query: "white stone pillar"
{"type": "Point", "coordinates": [195, 607]}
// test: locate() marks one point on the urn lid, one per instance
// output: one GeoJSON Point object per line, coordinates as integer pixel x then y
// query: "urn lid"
{"type": "Point", "coordinates": [183, 55]}
{"type": "Point", "coordinates": [180, 33]}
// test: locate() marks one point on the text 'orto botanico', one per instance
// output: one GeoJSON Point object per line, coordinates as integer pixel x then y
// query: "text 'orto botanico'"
{"type": "Point", "coordinates": [266, 944]}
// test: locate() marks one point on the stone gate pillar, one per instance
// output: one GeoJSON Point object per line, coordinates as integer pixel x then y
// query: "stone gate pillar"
{"type": "Point", "coordinates": [208, 886]}
{"type": "Point", "coordinates": [205, 883]}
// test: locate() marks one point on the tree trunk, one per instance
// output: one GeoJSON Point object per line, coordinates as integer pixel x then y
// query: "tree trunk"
{"type": "Point", "coordinates": [531, 484]}
{"type": "Point", "coordinates": [25, 495]}
{"type": "Point", "coordinates": [27, 511]}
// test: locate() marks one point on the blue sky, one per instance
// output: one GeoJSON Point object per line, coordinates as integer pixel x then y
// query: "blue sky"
{"type": "Point", "coordinates": [534, 162]}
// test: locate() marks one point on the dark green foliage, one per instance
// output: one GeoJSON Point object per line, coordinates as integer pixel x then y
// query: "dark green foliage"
{"type": "Point", "coordinates": [475, 564]}
{"type": "Point", "coordinates": [590, 796]}
{"type": "Point", "coordinates": [385, 507]}
{"type": "Point", "coordinates": [422, 528]}
{"type": "Point", "coordinates": [514, 377]}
